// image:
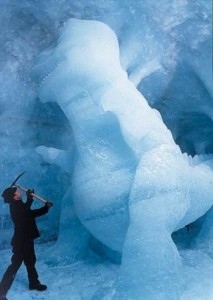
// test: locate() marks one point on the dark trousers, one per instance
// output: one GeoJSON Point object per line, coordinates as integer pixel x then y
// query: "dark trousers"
{"type": "Point", "coordinates": [23, 252]}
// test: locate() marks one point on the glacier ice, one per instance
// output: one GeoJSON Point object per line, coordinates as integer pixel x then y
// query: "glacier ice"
{"type": "Point", "coordinates": [167, 55]}
{"type": "Point", "coordinates": [131, 185]}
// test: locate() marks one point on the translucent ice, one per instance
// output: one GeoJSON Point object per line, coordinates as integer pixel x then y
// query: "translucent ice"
{"type": "Point", "coordinates": [131, 185]}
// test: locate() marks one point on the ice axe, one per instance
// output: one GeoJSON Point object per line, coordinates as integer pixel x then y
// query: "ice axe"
{"type": "Point", "coordinates": [25, 190]}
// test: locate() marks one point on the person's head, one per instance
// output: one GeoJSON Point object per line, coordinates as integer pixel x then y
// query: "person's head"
{"type": "Point", "coordinates": [11, 194]}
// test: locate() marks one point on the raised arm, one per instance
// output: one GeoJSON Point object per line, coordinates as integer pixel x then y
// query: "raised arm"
{"type": "Point", "coordinates": [40, 211]}
{"type": "Point", "coordinates": [29, 201]}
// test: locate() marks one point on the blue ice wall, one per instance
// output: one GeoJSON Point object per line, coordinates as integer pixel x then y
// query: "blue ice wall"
{"type": "Point", "coordinates": [131, 185]}
{"type": "Point", "coordinates": [165, 48]}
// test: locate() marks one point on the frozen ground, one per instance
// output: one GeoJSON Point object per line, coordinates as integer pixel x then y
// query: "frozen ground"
{"type": "Point", "coordinates": [93, 278]}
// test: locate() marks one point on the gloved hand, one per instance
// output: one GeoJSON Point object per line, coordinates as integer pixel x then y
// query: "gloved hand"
{"type": "Point", "coordinates": [49, 204]}
{"type": "Point", "coordinates": [29, 194]}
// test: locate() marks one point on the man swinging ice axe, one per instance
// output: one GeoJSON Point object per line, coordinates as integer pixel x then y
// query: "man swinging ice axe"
{"type": "Point", "coordinates": [25, 231]}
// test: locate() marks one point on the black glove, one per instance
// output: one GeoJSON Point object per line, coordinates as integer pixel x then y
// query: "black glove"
{"type": "Point", "coordinates": [29, 194]}
{"type": "Point", "coordinates": [48, 204]}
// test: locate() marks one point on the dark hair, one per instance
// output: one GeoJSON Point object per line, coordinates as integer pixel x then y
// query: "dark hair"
{"type": "Point", "coordinates": [8, 194]}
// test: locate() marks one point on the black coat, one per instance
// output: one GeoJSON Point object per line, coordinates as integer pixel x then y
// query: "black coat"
{"type": "Point", "coordinates": [23, 217]}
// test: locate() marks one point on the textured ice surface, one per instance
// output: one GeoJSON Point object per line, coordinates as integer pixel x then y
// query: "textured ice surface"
{"type": "Point", "coordinates": [93, 279]}
{"type": "Point", "coordinates": [167, 55]}
{"type": "Point", "coordinates": [131, 185]}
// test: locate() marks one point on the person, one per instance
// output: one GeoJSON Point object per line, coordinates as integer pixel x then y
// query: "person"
{"type": "Point", "coordinates": [25, 231]}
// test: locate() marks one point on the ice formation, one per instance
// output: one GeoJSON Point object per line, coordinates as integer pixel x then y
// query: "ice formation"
{"type": "Point", "coordinates": [131, 185]}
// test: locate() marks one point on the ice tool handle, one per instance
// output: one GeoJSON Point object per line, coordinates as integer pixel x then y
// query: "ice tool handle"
{"type": "Point", "coordinates": [25, 190]}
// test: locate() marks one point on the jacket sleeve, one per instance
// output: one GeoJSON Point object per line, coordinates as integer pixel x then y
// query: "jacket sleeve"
{"type": "Point", "coordinates": [40, 211]}
{"type": "Point", "coordinates": [28, 203]}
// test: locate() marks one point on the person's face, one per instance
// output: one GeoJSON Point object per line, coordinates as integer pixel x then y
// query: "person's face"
{"type": "Point", "coordinates": [17, 195]}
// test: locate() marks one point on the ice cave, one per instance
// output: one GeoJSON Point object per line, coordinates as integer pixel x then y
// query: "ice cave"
{"type": "Point", "coordinates": [107, 106]}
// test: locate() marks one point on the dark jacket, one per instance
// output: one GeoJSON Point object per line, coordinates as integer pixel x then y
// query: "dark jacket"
{"type": "Point", "coordinates": [23, 217]}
